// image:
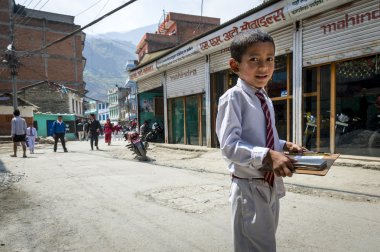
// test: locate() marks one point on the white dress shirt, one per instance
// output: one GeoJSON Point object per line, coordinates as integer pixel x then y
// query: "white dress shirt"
{"type": "Point", "coordinates": [31, 132]}
{"type": "Point", "coordinates": [18, 126]}
{"type": "Point", "coordinates": [241, 130]}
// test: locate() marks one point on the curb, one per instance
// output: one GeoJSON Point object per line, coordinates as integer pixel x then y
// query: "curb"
{"type": "Point", "coordinates": [372, 163]}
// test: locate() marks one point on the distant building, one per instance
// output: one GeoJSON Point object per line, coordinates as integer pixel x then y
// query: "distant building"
{"type": "Point", "coordinates": [6, 112]}
{"type": "Point", "coordinates": [116, 101]}
{"type": "Point", "coordinates": [61, 63]}
{"type": "Point", "coordinates": [103, 112]}
{"type": "Point", "coordinates": [53, 98]}
{"type": "Point", "coordinates": [175, 29]}
{"type": "Point", "coordinates": [131, 99]}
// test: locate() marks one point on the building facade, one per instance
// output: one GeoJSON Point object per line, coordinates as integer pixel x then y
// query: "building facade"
{"type": "Point", "coordinates": [325, 88]}
{"type": "Point", "coordinates": [103, 112]}
{"type": "Point", "coordinates": [61, 63]}
{"type": "Point", "coordinates": [53, 98]}
{"type": "Point", "coordinates": [117, 105]}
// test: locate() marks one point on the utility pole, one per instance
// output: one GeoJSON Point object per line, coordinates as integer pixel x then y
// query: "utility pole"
{"type": "Point", "coordinates": [11, 57]}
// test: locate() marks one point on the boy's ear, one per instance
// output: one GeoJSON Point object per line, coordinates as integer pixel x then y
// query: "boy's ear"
{"type": "Point", "coordinates": [234, 65]}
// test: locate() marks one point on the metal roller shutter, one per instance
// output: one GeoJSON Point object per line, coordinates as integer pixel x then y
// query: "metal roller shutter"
{"type": "Point", "coordinates": [186, 79]}
{"type": "Point", "coordinates": [342, 33]}
{"type": "Point", "coordinates": [219, 60]}
{"type": "Point", "coordinates": [283, 39]}
{"type": "Point", "coordinates": [149, 83]}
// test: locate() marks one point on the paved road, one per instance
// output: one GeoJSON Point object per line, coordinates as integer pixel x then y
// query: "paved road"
{"type": "Point", "coordinates": [91, 201]}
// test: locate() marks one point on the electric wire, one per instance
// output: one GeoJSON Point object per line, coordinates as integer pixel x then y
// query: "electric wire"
{"type": "Point", "coordinates": [20, 17]}
{"type": "Point", "coordinates": [27, 19]}
{"type": "Point", "coordinates": [88, 8]}
{"type": "Point", "coordinates": [79, 30]}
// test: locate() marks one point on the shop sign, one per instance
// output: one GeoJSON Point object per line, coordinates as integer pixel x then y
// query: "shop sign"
{"type": "Point", "coordinates": [178, 55]}
{"type": "Point", "coordinates": [143, 72]}
{"type": "Point", "coordinates": [268, 19]}
{"type": "Point", "coordinates": [351, 20]}
{"type": "Point", "coordinates": [183, 74]}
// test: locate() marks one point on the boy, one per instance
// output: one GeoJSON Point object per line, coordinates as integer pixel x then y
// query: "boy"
{"type": "Point", "coordinates": [18, 132]}
{"type": "Point", "coordinates": [58, 130]}
{"type": "Point", "coordinates": [32, 135]}
{"type": "Point", "coordinates": [249, 142]}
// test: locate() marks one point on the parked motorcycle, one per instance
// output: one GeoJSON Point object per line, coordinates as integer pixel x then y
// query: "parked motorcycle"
{"type": "Point", "coordinates": [157, 133]}
{"type": "Point", "coordinates": [136, 145]}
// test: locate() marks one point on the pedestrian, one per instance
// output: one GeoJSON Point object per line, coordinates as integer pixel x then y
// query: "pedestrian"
{"type": "Point", "coordinates": [85, 130]}
{"type": "Point", "coordinates": [249, 142]}
{"type": "Point", "coordinates": [80, 130]}
{"type": "Point", "coordinates": [18, 132]}
{"type": "Point", "coordinates": [93, 131]}
{"type": "Point", "coordinates": [108, 129]}
{"type": "Point", "coordinates": [144, 129]}
{"type": "Point", "coordinates": [31, 132]}
{"type": "Point", "coordinates": [58, 131]}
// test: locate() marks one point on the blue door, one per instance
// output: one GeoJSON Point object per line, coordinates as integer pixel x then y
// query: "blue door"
{"type": "Point", "coordinates": [49, 124]}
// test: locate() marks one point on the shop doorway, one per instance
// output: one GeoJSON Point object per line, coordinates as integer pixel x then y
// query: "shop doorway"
{"type": "Point", "coordinates": [220, 82]}
{"type": "Point", "coordinates": [187, 120]}
{"type": "Point", "coordinates": [316, 108]}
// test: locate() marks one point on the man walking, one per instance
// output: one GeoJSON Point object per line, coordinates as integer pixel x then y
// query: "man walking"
{"type": "Point", "coordinates": [80, 130]}
{"type": "Point", "coordinates": [93, 131]}
{"type": "Point", "coordinates": [18, 132]}
{"type": "Point", "coordinates": [58, 130]}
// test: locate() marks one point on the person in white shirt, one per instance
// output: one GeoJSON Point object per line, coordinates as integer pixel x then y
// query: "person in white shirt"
{"type": "Point", "coordinates": [250, 144]}
{"type": "Point", "coordinates": [18, 132]}
{"type": "Point", "coordinates": [31, 132]}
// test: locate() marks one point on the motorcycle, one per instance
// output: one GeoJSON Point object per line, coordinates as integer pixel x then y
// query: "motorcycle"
{"type": "Point", "coordinates": [136, 145]}
{"type": "Point", "coordinates": [157, 133]}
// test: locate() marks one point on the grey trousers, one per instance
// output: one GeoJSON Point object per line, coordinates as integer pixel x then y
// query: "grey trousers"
{"type": "Point", "coordinates": [255, 211]}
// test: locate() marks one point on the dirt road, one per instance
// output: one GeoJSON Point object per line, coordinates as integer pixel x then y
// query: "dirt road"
{"type": "Point", "coordinates": [91, 201]}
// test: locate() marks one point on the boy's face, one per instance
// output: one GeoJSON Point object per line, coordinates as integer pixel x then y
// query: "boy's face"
{"type": "Point", "coordinates": [257, 64]}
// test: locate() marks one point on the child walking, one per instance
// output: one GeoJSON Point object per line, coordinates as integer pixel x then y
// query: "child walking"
{"type": "Point", "coordinates": [249, 142]}
{"type": "Point", "coordinates": [31, 132]}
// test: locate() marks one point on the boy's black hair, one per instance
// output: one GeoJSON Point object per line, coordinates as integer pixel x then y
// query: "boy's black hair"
{"type": "Point", "coordinates": [243, 40]}
{"type": "Point", "coordinates": [16, 112]}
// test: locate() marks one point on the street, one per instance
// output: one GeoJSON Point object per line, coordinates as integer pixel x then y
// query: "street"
{"type": "Point", "coordinates": [177, 201]}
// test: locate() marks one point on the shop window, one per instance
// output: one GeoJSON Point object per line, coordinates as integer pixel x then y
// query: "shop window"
{"type": "Point", "coordinates": [358, 117]}
{"type": "Point", "coordinates": [192, 120]}
{"type": "Point", "coordinates": [177, 120]}
{"type": "Point", "coordinates": [316, 108]}
{"type": "Point", "coordinates": [279, 89]}
{"type": "Point", "coordinates": [278, 85]}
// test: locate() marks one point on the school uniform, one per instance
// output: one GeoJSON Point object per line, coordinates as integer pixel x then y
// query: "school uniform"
{"type": "Point", "coordinates": [31, 132]}
{"type": "Point", "coordinates": [241, 130]}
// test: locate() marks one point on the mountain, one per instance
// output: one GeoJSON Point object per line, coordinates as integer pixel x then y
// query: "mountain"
{"type": "Point", "coordinates": [133, 36]}
{"type": "Point", "coordinates": [106, 56]}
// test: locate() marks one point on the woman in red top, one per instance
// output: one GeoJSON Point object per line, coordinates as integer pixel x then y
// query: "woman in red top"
{"type": "Point", "coordinates": [108, 129]}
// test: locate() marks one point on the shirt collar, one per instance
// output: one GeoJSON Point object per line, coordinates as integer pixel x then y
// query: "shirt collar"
{"type": "Point", "coordinates": [249, 89]}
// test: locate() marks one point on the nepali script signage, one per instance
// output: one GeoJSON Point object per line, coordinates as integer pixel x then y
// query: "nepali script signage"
{"type": "Point", "coordinates": [179, 55]}
{"type": "Point", "coordinates": [268, 19]}
{"type": "Point", "coordinates": [143, 71]}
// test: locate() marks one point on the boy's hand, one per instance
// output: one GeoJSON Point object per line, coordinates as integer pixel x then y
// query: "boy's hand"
{"type": "Point", "coordinates": [281, 164]}
{"type": "Point", "coordinates": [294, 148]}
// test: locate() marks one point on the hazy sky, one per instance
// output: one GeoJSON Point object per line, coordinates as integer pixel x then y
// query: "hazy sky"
{"type": "Point", "coordinates": [139, 13]}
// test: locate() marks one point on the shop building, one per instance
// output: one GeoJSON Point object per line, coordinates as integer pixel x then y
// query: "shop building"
{"type": "Point", "coordinates": [326, 84]}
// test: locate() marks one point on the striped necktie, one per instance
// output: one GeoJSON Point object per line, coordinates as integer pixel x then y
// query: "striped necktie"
{"type": "Point", "coordinates": [268, 176]}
